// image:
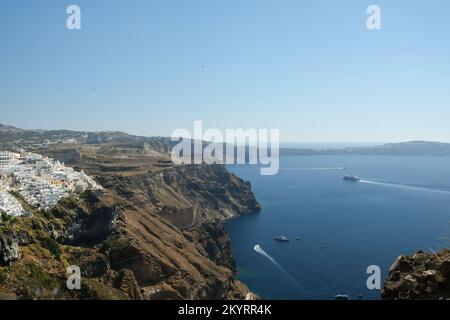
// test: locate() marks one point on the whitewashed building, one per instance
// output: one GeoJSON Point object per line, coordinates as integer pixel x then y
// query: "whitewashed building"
{"type": "Point", "coordinates": [8, 159]}
{"type": "Point", "coordinates": [41, 181]}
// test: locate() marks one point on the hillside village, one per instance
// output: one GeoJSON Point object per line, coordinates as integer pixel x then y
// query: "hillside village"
{"type": "Point", "coordinates": [39, 180]}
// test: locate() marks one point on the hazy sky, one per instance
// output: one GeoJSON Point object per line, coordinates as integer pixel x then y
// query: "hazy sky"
{"type": "Point", "coordinates": [310, 68]}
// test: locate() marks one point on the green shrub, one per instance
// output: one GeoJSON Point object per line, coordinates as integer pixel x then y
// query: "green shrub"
{"type": "Point", "coordinates": [47, 214]}
{"type": "Point", "coordinates": [52, 246]}
{"type": "Point", "coordinates": [93, 289]}
{"type": "Point", "coordinates": [35, 282]}
{"type": "Point", "coordinates": [6, 218]}
{"type": "Point", "coordinates": [89, 196]}
{"type": "Point", "coordinates": [113, 245]}
{"type": "Point", "coordinates": [3, 276]}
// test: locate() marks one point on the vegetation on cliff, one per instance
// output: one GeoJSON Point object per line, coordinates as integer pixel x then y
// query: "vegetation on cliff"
{"type": "Point", "coordinates": [155, 232]}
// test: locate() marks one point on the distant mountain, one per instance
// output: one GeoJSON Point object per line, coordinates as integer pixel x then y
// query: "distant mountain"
{"type": "Point", "coordinates": [408, 148]}
{"type": "Point", "coordinates": [411, 148]}
{"type": "Point", "coordinates": [14, 138]}
{"type": "Point", "coordinates": [5, 128]}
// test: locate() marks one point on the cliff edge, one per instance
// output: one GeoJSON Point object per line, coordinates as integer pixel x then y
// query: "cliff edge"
{"type": "Point", "coordinates": [154, 232]}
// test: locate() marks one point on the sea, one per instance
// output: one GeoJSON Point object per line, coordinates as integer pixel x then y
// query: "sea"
{"type": "Point", "coordinates": [338, 229]}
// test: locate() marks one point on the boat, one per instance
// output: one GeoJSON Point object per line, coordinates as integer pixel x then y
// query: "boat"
{"type": "Point", "coordinates": [351, 178]}
{"type": "Point", "coordinates": [281, 238]}
{"type": "Point", "coordinates": [341, 297]}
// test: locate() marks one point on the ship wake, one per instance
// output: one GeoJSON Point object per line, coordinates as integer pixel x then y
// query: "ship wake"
{"type": "Point", "coordinates": [262, 252]}
{"type": "Point", "coordinates": [406, 186]}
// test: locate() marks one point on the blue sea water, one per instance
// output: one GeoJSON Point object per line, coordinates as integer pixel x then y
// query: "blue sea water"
{"type": "Point", "coordinates": [401, 205]}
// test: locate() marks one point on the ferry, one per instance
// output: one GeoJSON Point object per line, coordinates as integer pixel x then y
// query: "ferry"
{"type": "Point", "coordinates": [281, 238]}
{"type": "Point", "coordinates": [352, 178]}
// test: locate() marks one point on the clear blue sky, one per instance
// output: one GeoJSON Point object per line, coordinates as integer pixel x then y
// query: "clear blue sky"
{"type": "Point", "coordinates": [309, 68]}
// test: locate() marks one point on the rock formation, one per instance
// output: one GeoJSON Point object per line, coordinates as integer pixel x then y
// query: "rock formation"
{"type": "Point", "coordinates": [421, 276]}
{"type": "Point", "coordinates": [154, 232]}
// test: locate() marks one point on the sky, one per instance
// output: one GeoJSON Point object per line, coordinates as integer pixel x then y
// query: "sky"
{"type": "Point", "coordinates": [309, 68]}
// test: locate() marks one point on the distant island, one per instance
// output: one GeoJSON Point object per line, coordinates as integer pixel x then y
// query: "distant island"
{"type": "Point", "coordinates": [12, 138]}
{"type": "Point", "coordinates": [411, 148]}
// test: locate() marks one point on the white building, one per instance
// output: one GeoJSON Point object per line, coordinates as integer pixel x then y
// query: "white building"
{"type": "Point", "coordinates": [41, 181]}
{"type": "Point", "coordinates": [8, 159]}
{"type": "Point", "coordinates": [10, 205]}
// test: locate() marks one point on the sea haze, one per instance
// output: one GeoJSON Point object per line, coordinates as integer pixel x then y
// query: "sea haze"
{"type": "Point", "coordinates": [401, 205]}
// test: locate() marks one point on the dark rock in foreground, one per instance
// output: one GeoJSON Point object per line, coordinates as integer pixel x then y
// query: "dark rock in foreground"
{"type": "Point", "coordinates": [422, 276]}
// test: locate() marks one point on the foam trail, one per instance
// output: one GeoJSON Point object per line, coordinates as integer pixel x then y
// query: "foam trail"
{"type": "Point", "coordinates": [405, 186]}
{"type": "Point", "coordinates": [300, 168]}
{"type": "Point", "coordinates": [323, 168]}
{"type": "Point", "coordinates": [261, 251]}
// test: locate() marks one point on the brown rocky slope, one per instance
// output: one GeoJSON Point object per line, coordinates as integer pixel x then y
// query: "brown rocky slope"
{"type": "Point", "coordinates": [155, 232]}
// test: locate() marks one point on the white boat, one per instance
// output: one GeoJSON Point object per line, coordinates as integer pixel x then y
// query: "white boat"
{"type": "Point", "coordinates": [281, 238]}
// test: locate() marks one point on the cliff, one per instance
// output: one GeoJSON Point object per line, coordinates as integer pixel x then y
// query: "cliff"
{"type": "Point", "coordinates": [177, 247]}
{"type": "Point", "coordinates": [186, 195]}
{"type": "Point", "coordinates": [421, 276]}
{"type": "Point", "coordinates": [155, 232]}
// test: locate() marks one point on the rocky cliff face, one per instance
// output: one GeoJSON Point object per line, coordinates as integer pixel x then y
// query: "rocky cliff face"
{"type": "Point", "coordinates": [187, 195]}
{"type": "Point", "coordinates": [9, 247]}
{"type": "Point", "coordinates": [178, 248]}
{"type": "Point", "coordinates": [152, 234]}
{"type": "Point", "coordinates": [421, 276]}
